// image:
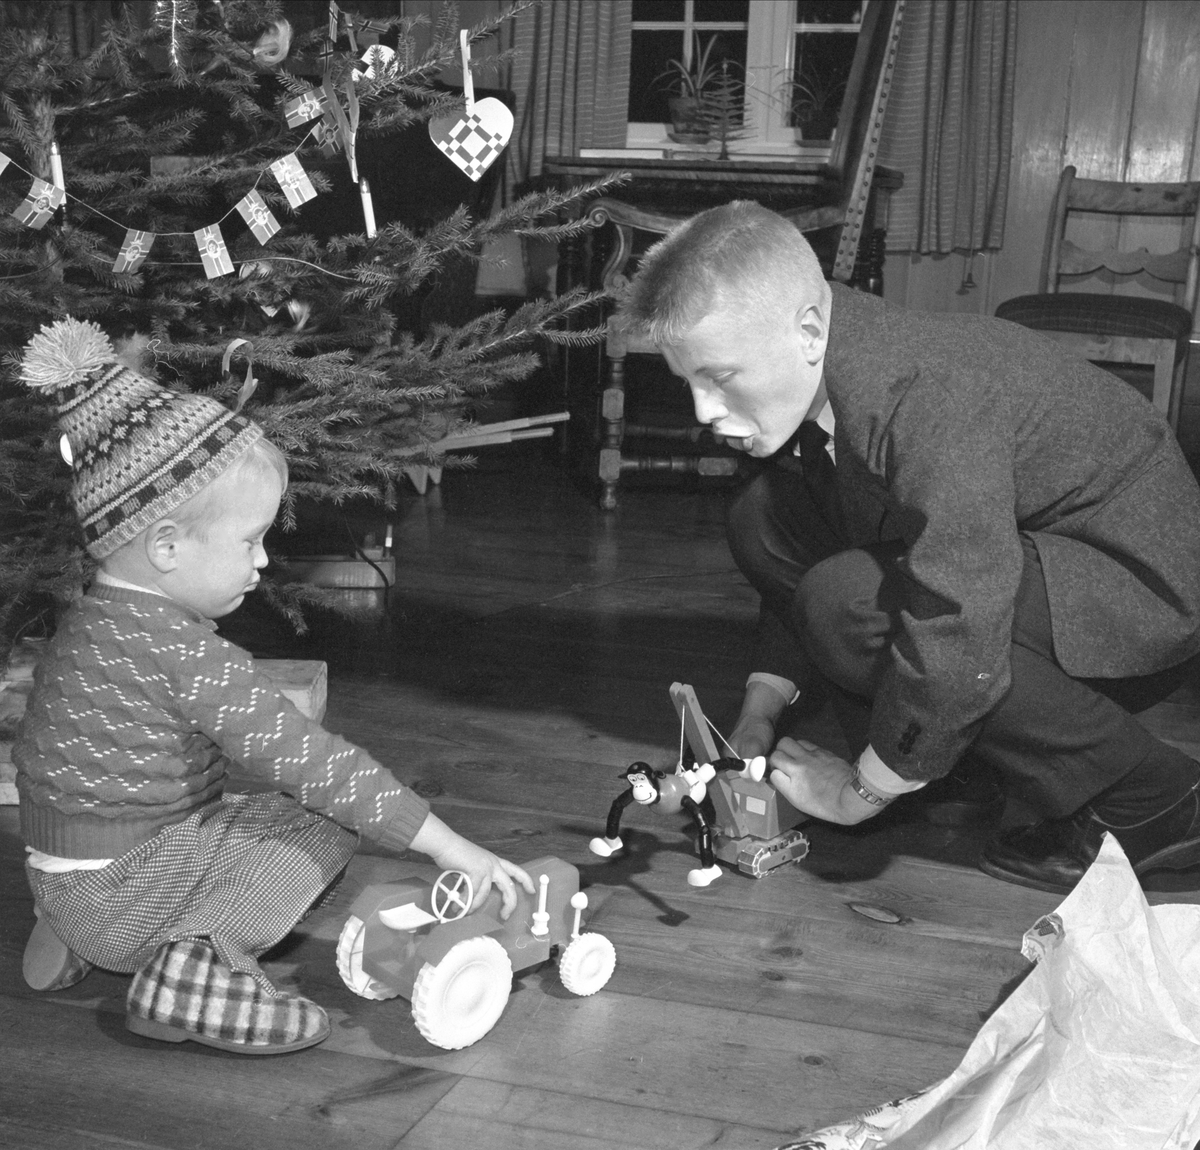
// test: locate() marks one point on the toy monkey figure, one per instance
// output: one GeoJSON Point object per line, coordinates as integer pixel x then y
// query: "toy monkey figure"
{"type": "Point", "coordinates": [684, 790]}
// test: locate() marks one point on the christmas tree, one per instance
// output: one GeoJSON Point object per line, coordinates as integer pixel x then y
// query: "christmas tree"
{"type": "Point", "coordinates": [149, 185]}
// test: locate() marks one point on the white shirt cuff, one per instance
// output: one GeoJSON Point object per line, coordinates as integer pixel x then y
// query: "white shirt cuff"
{"type": "Point", "coordinates": [777, 683]}
{"type": "Point", "coordinates": [878, 777]}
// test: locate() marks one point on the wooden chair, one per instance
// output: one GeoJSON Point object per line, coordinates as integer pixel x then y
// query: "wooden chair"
{"type": "Point", "coordinates": [1119, 328]}
{"type": "Point", "coordinates": [844, 200]}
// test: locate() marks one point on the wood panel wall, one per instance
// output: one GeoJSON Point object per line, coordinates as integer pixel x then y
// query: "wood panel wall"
{"type": "Point", "coordinates": [1111, 86]}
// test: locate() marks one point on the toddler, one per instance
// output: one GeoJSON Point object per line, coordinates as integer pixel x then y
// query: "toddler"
{"type": "Point", "coordinates": [138, 860]}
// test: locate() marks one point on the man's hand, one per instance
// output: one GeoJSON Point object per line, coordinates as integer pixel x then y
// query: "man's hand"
{"type": "Point", "coordinates": [817, 782]}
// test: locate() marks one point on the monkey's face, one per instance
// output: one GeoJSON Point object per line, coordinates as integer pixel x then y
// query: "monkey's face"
{"type": "Point", "coordinates": [644, 790]}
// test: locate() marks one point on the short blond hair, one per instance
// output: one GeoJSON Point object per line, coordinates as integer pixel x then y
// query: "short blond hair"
{"type": "Point", "coordinates": [195, 516]}
{"type": "Point", "coordinates": [739, 255]}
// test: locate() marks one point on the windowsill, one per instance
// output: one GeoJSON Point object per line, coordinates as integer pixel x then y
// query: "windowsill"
{"type": "Point", "coordinates": [748, 153]}
{"type": "Point", "coordinates": [776, 143]}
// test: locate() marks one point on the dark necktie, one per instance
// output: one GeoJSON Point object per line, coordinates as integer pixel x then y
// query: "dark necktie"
{"type": "Point", "coordinates": [810, 439]}
{"type": "Point", "coordinates": [806, 453]}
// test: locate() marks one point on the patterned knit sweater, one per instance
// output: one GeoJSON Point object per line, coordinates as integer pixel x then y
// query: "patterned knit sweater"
{"type": "Point", "coordinates": [136, 709]}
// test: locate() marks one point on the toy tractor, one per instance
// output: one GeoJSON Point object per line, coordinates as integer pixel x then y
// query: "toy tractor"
{"type": "Point", "coordinates": [415, 939]}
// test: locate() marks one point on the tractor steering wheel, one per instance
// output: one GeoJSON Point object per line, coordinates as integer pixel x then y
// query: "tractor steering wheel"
{"type": "Point", "coordinates": [447, 898]}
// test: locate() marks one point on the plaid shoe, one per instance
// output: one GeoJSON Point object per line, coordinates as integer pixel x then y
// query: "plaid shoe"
{"type": "Point", "coordinates": [185, 993]}
{"type": "Point", "coordinates": [49, 964]}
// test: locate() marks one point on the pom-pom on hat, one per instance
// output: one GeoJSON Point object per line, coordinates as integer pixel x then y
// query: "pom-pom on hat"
{"type": "Point", "coordinates": [138, 450]}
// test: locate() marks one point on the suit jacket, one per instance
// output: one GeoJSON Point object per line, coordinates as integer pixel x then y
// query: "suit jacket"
{"type": "Point", "coordinates": [956, 432]}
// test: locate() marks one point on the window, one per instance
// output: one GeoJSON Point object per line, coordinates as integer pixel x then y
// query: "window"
{"type": "Point", "coordinates": [793, 56]}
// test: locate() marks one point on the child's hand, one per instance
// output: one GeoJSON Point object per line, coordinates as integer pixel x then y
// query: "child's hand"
{"type": "Point", "coordinates": [485, 869]}
{"type": "Point", "coordinates": [451, 851]}
{"type": "Point", "coordinates": [753, 736]}
{"type": "Point", "coordinates": [754, 732]}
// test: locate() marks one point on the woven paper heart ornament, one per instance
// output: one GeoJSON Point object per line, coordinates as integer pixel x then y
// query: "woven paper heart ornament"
{"type": "Point", "coordinates": [474, 137]}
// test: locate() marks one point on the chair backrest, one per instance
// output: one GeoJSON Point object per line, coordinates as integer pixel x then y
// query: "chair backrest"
{"type": "Point", "coordinates": [626, 219]}
{"type": "Point", "coordinates": [1114, 198]}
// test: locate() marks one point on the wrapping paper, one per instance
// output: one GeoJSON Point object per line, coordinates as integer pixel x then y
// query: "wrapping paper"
{"type": "Point", "coordinates": [1098, 1047]}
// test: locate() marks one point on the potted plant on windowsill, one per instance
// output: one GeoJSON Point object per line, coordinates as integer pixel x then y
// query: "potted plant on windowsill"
{"type": "Point", "coordinates": [816, 101]}
{"type": "Point", "coordinates": [689, 87]}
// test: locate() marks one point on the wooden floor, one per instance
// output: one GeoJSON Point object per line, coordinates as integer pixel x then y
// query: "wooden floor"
{"type": "Point", "coordinates": [524, 662]}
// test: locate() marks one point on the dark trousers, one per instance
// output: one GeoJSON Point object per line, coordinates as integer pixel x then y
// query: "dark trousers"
{"type": "Point", "coordinates": [831, 610]}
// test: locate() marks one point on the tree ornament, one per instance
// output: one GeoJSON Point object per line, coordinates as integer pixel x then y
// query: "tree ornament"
{"type": "Point", "coordinates": [473, 140]}
{"type": "Point", "coordinates": [307, 106]}
{"type": "Point", "coordinates": [134, 250]}
{"type": "Point", "coordinates": [214, 255]}
{"type": "Point", "coordinates": [39, 205]}
{"type": "Point", "coordinates": [293, 180]}
{"type": "Point", "coordinates": [260, 219]}
{"type": "Point", "coordinates": [250, 383]}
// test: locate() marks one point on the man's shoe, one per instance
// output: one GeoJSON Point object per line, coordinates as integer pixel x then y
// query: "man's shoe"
{"type": "Point", "coordinates": [49, 964]}
{"type": "Point", "coordinates": [185, 993]}
{"type": "Point", "coordinates": [1053, 854]}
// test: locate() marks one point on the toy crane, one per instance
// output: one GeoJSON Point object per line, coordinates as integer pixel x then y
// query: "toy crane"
{"type": "Point", "coordinates": [754, 825]}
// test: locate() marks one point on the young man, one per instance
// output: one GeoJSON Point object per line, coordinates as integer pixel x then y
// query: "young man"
{"type": "Point", "coordinates": [998, 553]}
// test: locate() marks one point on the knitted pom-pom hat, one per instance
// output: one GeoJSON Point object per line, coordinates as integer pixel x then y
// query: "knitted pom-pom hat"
{"type": "Point", "coordinates": [138, 450]}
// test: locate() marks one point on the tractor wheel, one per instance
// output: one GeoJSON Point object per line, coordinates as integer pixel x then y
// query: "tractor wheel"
{"type": "Point", "coordinates": [349, 962]}
{"type": "Point", "coordinates": [587, 964]}
{"type": "Point", "coordinates": [456, 1002]}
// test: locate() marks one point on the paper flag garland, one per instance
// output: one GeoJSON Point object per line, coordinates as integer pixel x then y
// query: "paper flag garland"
{"type": "Point", "coordinates": [133, 251]}
{"type": "Point", "coordinates": [293, 180]}
{"type": "Point", "coordinates": [307, 106]}
{"type": "Point", "coordinates": [40, 204]}
{"type": "Point", "coordinates": [258, 216]}
{"type": "Point", "coordinates": [472, 139]}
{"type": "Point", "coordinates": [213, 253]}
{"type": "Point", "coordinates": [475, 138]}
{"type": "Point", "coordinates": [325, 136]}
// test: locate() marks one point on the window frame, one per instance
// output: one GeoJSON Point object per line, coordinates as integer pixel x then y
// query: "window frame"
{"type": "Point", "coordinates": [771, 30]}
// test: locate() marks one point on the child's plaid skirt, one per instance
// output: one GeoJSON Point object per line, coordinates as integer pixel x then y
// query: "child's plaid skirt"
{"type": "Point", "coordinates": [240, 872]}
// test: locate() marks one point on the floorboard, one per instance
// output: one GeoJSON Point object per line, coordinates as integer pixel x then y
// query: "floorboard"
{"type": "Point", "coordinates": [520, 664]}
